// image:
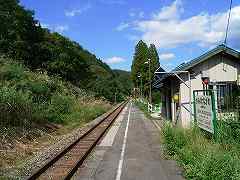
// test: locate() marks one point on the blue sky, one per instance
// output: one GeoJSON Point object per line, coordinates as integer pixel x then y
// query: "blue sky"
{"type": "Point", "coordinates": [181, 29]}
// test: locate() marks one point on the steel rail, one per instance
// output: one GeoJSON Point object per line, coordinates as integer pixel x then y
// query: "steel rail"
{"type": "Point", "coordinates": [52, 161]}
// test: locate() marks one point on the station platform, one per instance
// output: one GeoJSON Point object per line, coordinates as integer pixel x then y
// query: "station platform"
{"type": "Point", "coordinates": [131, 150]}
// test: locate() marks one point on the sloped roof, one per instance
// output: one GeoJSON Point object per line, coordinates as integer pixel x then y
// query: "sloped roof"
{"type": "Point", "coordinates": [207, 55]}
{"type": "Point", "coordinates": [198, 60]}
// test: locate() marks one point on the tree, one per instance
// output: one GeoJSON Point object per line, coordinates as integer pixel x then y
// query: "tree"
{"type": "Point", "coordinates": [19, 32]}
{"type": "Point", "coordinates": [153, 55]}
{"type": "Point", "coordinates": [23, 39]}
{"type": "Point", "coordinates": [138, 65]}
{"type": "Point", "coordinates": [141, 56]}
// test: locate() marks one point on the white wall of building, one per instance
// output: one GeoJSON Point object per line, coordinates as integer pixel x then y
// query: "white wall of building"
{"type": "Point", "coordinates": [218, 69]}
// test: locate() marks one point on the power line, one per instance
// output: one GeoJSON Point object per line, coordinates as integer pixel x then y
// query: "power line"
{"type": "Point", "coordinates": [227, 29]}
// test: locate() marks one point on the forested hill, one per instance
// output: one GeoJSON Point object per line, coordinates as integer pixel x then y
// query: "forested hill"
{"type": "Point", "coordinates": [23, 39]}
{"type": "Point", "coordinates": [123, 77]}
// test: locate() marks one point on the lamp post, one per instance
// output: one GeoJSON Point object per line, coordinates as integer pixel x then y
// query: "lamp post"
{"type": "Point", "coordinates": [141, 88]}
{"type": "Point", "coordinates": [150, 84]}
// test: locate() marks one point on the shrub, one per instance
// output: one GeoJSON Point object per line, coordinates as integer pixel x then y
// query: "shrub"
{"type": "Point", "coordinates": [174, 139]}
{"type": "Point", "coordinates": [34, 97]}
{"type": "Point", "coordinates": [12, 71]}
{"type": "Point", "coordinates": [15, 107]}
{"type": "Point", "coordinates": [58, 107]}
{"type": "Point", "coordinates": [228, 132]}
{"type": "Point", "coordinates": [201, 157]}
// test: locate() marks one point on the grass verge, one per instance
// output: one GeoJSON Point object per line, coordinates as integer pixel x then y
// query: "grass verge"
{"type": "Point", "coordinates": [201, 156]}
{"type": "Point", "coordinates": [143, 107]}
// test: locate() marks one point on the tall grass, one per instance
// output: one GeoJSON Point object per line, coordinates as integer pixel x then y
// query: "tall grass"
{"type": "Point", "coordinates": [202, 156]}
{"type": "Point", "coordinates": [34, 98]}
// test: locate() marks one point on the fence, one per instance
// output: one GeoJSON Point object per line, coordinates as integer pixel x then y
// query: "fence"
{"type": "Point", "coordinates": [228, 108]}
{"type": "Point", "coordinates": [152, 108]}
{"type": "Point", "coordinates": [227, 105]}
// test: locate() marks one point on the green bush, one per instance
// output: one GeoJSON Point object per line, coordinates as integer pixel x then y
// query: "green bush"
{"type": "Point", "coordinates": [11, 71]}
{"type": "Point", "coordinates": [175, 139]}
{"type": "Point", "coordinates": [59, 106]}
{"type": "Point", "coordinates": [201, 157]}
{"type": "Point", "coordinates": [228, 132]}
{"type": "Point", "coordinates": [35, 98]}
{"type": "Point", "coordinates": [15, 107]}
{"type": "Point", "coordinates": [156, 96]}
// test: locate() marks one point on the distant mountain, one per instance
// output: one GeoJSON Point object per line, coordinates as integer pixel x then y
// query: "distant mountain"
{"type": "Point", "coordinates": [124, 79]}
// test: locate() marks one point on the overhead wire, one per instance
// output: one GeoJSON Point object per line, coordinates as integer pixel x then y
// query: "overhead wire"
{"type": "Point", "coordinates": [228, 22]}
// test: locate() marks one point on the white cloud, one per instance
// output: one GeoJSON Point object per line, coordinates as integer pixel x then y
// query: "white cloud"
{"type": "Point", "coordinates": [133, 13]}
{"type": "Point", "coordinates": [170, 12]}
{"type": "Point", "coordinates": [136, 13]}
{"type": "Point", "coordinates": [114, 60]}
{"type": "Point", "coordinates": [166, 56]}
{"type": "Point", "coordinates": [168, 66]}
{"type": "Point", "coordinates": [45, 25]}
{"type": "Point", "coordinates": [122, 26]}
{"type": "Point", "coordinates": [55, 27]}
{"type": "Point", "coordinates": [74, 12]}
{"type": "Point", "coordinates": [167, 29]}
{"type": "Point", "coordinates": [61, 28]}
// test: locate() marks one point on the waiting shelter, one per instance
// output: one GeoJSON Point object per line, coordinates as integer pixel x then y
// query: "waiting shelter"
{"type": "Point", "coordinates": [217, 69]}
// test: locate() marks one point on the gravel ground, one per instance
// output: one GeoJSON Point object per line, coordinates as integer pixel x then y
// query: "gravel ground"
{"type": "Point", "coordinates": [43, 155]}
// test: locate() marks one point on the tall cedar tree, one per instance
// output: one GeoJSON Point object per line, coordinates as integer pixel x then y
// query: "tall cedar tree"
{"type": "Point", "coordinates": [143, 54]}
{"type": "Point", "coordinates": [153, 55]}
{"type": "Point", "coordinates": [138, 65]}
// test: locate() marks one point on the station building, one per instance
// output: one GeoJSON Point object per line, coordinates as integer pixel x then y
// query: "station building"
{"type": "Point", "coordinates": [217, 69]}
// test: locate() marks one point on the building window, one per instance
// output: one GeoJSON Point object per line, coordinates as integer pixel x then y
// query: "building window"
{"type": "Point", "coordinates": [225, 96]}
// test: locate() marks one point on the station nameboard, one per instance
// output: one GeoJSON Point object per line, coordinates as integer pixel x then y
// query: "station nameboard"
{"type": "Point", "coordinates": [204, 114]}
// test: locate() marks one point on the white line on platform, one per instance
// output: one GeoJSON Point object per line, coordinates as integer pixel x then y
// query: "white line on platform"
{"type": "Point", "coordinates": [120, 164]}
{"type": "Point", "coordinates": [109, 138]}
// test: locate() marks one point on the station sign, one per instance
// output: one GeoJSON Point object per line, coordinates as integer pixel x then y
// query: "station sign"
{"type": "Point", "coordinates": [204, 112]}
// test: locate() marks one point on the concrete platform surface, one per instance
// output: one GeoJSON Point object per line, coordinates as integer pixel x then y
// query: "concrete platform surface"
{"type": "Point", "coordinates": [131, 150]}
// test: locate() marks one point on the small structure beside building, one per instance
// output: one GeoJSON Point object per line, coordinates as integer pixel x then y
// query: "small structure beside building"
{"type": "Point", "coordinates": [218, 69]}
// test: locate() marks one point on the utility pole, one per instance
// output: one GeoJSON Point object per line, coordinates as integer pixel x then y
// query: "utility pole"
{"type": "Point", "coordinates": [150, 83]}
{"type": "Point", "coordinates": [141, 87]}
{"type": "Point", "coordinates": [115, 96]}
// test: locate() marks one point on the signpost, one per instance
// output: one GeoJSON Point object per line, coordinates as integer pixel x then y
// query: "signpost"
{"type": "Point", "coordinates": [204, 110]}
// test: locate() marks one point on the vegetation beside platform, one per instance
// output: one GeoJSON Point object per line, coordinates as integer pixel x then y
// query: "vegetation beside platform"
{"type": "Point", "coordinates": [203, 156]}
{"type": "Point", "coordinates": [143, 107]}
{"type": "Point", "coordinates": [34, 104]}
{"type": "Point", "coordinates": [35, 98]}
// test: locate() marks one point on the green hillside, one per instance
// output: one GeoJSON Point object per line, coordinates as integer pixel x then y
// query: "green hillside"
{"type": "Point", "coordinates": [24, 40]}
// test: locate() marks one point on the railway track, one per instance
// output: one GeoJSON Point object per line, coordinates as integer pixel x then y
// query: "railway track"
{"type": "Point", "coordinates": [66, 163]}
